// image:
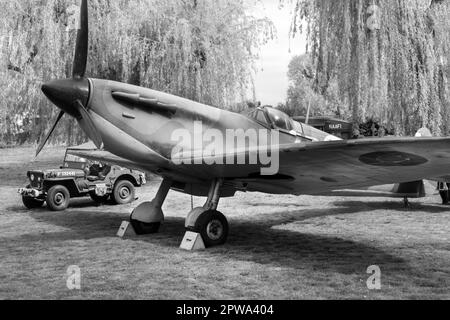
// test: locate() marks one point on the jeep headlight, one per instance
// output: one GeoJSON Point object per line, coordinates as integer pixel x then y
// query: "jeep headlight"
{"type": "Point", "coordinates": [32, 177]}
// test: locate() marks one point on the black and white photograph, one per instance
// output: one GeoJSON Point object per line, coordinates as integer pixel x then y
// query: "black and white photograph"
{"type": "Point", "coordinates": [242, 151]}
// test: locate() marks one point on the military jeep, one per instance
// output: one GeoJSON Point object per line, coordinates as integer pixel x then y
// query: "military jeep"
{"type": "Point", "coordinates": [79, 177]}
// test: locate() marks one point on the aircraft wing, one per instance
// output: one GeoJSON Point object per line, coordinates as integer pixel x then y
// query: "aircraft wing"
{"type": "Point", "coordinates": [149, 167]}
{"type": "Point", "coordinates": [318, 168]}
{"type": "Point", "coordinates": [324, 167]}
{"type": "Point", "coordinates": [105, 157]}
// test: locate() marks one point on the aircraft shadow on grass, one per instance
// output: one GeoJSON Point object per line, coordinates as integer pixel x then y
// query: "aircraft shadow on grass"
{"type": "Point", "coordinates": [82, 203]}
{"type": "Point", "coordinates": [256, 240]}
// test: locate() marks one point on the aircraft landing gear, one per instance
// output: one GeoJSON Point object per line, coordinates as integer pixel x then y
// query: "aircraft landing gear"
{"type": "Point", "coordinates": [148, 216]}
{"type": "Point", "coordinates": [211, 224]}
{"type": "Point", "coordinates": [406, 203]}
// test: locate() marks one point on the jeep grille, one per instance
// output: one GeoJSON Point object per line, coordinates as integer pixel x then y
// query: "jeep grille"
{"type": "Point", "coordinates": [36, 179]}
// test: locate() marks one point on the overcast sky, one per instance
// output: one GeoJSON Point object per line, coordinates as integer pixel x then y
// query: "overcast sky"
{"type": "Point", "coordinates": [271, 80]}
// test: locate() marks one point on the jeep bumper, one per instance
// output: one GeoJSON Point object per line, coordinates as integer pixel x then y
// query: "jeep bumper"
{"type": "Point", "coordinates": [30, 192]}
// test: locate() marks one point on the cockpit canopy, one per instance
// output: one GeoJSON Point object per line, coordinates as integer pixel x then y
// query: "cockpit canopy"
{"type": "Point", "coordinates": [275, 119]}
{"type": "Point", "coordinates": [280, 119]}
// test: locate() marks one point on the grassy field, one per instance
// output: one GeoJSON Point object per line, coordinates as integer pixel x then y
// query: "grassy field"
{"type": "Point", "coordinates": [280, 247]}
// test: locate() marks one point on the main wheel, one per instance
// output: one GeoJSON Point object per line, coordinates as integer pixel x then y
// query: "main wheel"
{"type": "Point", "coordinates": [213, 227]}
{"type": "Point", "coordinates": [99, 199]}
{"type": "Point", "coordinates": [123, 192]}
{"type": "Point", "coordinates": [32, 203]}
{"type": "Point", "coordinates": [58, 198]}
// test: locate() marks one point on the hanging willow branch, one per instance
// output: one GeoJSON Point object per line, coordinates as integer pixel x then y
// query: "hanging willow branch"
{"type": "Point", "coordinates": [199, 49]}
{"type": "Point", "coordinates": [390, 59]}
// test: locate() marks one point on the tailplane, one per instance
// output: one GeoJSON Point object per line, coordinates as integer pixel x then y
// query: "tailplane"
{"type": "Point", "coordinates": [423, 133]}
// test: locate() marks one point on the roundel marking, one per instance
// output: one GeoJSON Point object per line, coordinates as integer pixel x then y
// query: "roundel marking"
{"type": "Point", "coordinates": [392, 159]}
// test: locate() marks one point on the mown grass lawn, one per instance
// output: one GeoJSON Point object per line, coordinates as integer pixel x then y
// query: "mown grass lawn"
{"type": "Point", "coordinates": [280, 247]}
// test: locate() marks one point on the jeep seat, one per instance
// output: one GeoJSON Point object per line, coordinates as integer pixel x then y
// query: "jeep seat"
{"type": "Point", "coordinates": [98, 174]}
{"type": "Point", "coordinates": [100, 177]}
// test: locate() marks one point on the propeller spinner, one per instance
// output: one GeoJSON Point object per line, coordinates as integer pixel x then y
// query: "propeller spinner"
{"type": "Point", "coordinates": [71, 95]}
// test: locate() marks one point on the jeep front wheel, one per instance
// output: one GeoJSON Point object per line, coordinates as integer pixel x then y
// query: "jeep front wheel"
{"type": "Point", "coordinates": [58, 198]}
{"type": "Point", "coordinates": [123, 192]}
{"type": "Point", "coordinates": [32, 203]}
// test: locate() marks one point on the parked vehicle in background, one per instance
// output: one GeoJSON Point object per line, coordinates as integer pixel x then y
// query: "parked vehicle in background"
{"type": "Point", "coordinates": [79, 177]}
{"type": "Point", "coordinates": [337, 127]}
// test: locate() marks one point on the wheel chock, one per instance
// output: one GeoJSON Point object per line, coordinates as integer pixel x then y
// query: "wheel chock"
{"type": "Point", "coordinates": [192, 242]}
{"type": "Point", "coordinates": [126, 230]}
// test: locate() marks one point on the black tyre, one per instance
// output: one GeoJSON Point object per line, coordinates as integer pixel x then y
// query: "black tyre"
{"type": "Point", "coordinates": [98, 199]}
{"type": "Point", "coordinates": [32, 203]}
{"type": "Point", "coordinates": [142, 228]}
{"type": "Point", "coordinates": [213, 227]}
{"type": "Point", "coordinates": [123, 192]}
{"type": "Point", "coordinates": [444, 196]}
{"type": "Point", "coordinates": [58, 198]}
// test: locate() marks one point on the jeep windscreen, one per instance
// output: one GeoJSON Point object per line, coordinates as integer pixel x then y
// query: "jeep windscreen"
{"type": "Point", "coordinates": [74, 162]}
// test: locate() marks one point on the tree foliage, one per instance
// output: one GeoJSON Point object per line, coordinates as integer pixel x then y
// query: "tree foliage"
{"type": "Point", "coordinates": [199, 49]}
{"type": "Point", "coordinates": [304, 95]}
{"type": "Point", "coordinates": [389, 59]}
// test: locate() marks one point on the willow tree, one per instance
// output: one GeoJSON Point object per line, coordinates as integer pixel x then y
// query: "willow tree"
{"type": "Point", "coordinates": [303, 96]}
{"type": "Point", "coordinates": [199, 49]}
{"type": "Point", "coordinates": [389, 58]}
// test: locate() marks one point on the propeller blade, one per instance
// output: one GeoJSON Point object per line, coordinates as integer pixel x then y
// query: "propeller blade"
{"type": "Point", "coordinates": [49, 134]}
{"type": "Point", "coordinates": [81, 49]}
{"type": "Point", "coordinates": [89, 126]}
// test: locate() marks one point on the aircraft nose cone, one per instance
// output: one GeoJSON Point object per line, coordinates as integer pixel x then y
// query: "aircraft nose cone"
{"type": "Point", "coordinates": [64, 94]}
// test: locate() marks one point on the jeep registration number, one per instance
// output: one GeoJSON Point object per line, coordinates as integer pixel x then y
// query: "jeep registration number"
{"type": "Point", "coordinates": [67, 174]}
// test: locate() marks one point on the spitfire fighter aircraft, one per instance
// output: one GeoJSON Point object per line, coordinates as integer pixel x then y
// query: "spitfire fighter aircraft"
{"type": "Point", "coordinates": [179, 140]}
